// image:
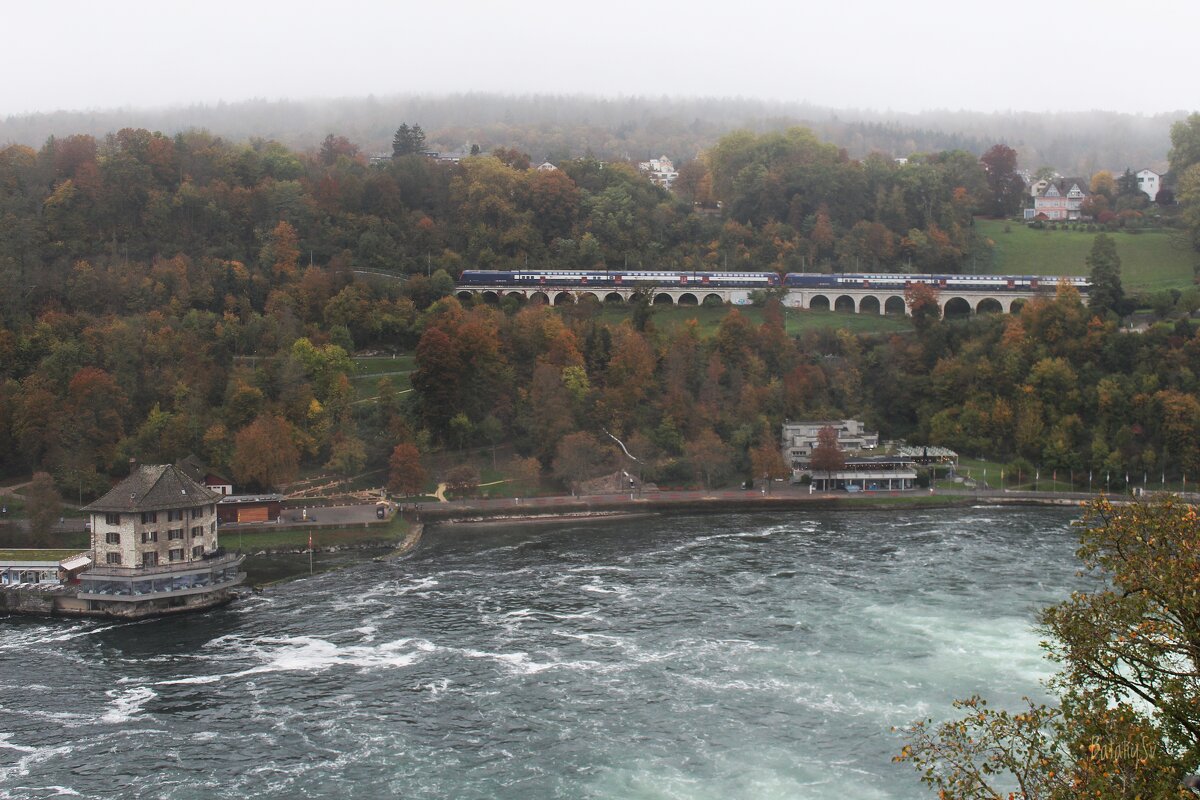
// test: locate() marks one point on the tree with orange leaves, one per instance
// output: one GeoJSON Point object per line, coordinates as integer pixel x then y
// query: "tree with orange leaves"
{"type": "Point", "coordinates": [282, 250]}
{"type": "Point", "coordinates": [922, 302]}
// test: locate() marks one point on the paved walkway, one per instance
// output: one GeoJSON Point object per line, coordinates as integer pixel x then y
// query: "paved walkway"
{"type": "Point", "coordinates": [780, 495]}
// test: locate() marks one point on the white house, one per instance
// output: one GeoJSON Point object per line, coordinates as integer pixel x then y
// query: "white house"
{"type": "Point", "coordinates": [1149, 182]}
{"type": "Point", "coordinates": [661, 171]}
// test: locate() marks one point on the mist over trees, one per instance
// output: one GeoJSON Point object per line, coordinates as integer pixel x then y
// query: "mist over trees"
{"type": "Point", "coordinates": [557, 126]}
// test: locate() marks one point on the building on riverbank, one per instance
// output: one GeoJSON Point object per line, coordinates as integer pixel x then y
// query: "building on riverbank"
{"type": "Point", "coordinates": [239, 509]}
{"type": "Point", "coordinates": [154, 551]}
{"type": "Point", "coordinates": [155, 547]}
{"type": "Point", "coordinates": [866, 474]}
{"type": "Point", "coordinates": [800, 438]}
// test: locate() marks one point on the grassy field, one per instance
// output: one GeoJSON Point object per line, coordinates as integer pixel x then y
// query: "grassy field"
{"type": "Point", "coordinates": [253, 541]}
{"type": "Point", "coordinates": [1149, 261]}
{"type": "Point", "coordinates": [369, 370]}
{"type": "Point", "coordinates": [37, 555]}
{"type": "Point", "coordinates": [376, 365]}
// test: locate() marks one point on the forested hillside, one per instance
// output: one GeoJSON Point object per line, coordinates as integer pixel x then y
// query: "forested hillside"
{"type": "Point", "coordinates": [167, 295]}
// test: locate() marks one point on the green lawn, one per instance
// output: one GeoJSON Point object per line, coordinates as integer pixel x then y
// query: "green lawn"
{"type": "Point", "coordinates": [667, 318]}
{"type": "Point", "coordinates": [1149, 261]}
{"type": "Point", "coordinates": [253, 541]}
{"type": "Point", "coordinates": [37, 555]}
{"type": "Point", "coordinates": [370, 370]}
{"type": "Point", "coordinates": [367, 386]}
{"type": "Point", "coordinates": [375, 365]}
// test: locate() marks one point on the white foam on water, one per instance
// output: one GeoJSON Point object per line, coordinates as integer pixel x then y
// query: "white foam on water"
{"type": "Point", "coordinates": [595, 586]}
{"type": "Point", "coordinates": [127, 704]}
{"type": "Point", "coordinates": [522, 664]}
{"type": "Point", "coordinates": [64, 719]}
{"type": "Point", "coordinates": [312, 654]}
{"type": "Point", "coordinates": [87, 631]}
{"type": "Point", "coordinates": [24, 792]}
{"type": "Point", "coordinates": [194, 680]}
{"type": "Point", "coordinates": [30, 757]}
{"type": "Point", "coordinates": [5, 744]}
{"type": "Point", "coordinates": [599, 568]}
{"type": "Point", "coordinates": [591, 639]}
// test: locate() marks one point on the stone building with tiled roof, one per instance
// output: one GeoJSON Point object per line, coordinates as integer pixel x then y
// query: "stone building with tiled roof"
{"type": "Point", "coordinates": [154, 546]}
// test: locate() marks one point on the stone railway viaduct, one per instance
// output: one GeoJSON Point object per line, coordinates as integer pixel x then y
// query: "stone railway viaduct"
{"type": "Point", "coordinates": [955, 302]}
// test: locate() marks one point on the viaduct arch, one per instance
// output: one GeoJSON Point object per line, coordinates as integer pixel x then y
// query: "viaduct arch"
{"type": "Point", "coordinates": [845, 300]}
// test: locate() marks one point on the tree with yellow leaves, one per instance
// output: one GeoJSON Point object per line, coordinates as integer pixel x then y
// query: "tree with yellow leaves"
{"type": "Point", "coordinates": [1127, 720]}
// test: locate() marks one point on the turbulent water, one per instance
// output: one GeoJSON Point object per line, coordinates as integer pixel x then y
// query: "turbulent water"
{"type": "Point", "coordinates": [735, 656]}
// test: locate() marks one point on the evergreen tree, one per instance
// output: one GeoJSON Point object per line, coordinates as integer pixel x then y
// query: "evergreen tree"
{"type": "Point", "coordinates": [1105, 266]}
{"type": "Point", "coordinates": [408, 141]}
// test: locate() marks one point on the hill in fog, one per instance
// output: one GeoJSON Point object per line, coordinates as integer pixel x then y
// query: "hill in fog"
{"type": "Point", "coordinates": [557, 126]}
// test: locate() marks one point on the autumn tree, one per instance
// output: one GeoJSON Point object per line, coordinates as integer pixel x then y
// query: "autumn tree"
{"type": "Point", "coordinates": [334, 147]}
{"type": "Point", "coordinates": [43, 506]}
{"type": "Point", "coordinates": [827, 456]}
{"type": "Point", "coordinates": [710, 458]}
{"type": "Point", "coordinates": [526, 470]}
{"type": "Point", "coordinates": [264, 454]}
{"type": "Point", "coordinates": [1106, 294]}
{"type": "Point", "coordinates": [1184, 158]}
{"type": "Point", "coordinates": [347, 454]}
{"type": "Point", "coordinates": [580, 457]}
{"type": "Point", "coordinates": [281, 251]}
{"type": "Point", "coordinates": [1123, 724]}
{"type": "Point", "coordinates": [406, 476]}
{"type": "Point", "coordinates": [923, 305]}
{"type": "Point", "coordinates": [766, 460]}
{"type": "Point", "coordinates": [1005, 186]}
{"type": "Point", "coordinates": [1104, 184]}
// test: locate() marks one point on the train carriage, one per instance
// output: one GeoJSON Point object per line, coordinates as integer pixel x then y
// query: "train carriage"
{"type": "Point", "coordinates": [664, 279]}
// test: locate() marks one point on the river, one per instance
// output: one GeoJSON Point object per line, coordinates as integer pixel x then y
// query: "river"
{"type": "Point", "coordinates": [728, 656]}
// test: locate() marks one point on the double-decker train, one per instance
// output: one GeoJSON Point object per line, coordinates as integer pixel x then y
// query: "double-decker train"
{"type": "Point", "coordinates": [567, 279]}
{"type": "Point", "coordinates": [898, 281]}
{"type": "Point", "coordinates": [626, 278]}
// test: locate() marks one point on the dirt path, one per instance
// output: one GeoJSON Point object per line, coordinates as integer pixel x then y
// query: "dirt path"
{"type": "Point", "coordinates": [10, 490]}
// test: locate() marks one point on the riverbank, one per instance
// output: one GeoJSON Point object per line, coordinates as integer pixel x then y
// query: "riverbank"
{"type": "Point", "coordinates": [547, 509]}
{"type": "Point", "coordinates": [275, 555]}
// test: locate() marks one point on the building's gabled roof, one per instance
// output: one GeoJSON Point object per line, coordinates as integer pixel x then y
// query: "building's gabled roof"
{"type": "Point", "coordinates": [193, 466]}
{"type": "Point", "coordinates": [154, 488]}
{"type": "Point", "coordinates": [197, 471]}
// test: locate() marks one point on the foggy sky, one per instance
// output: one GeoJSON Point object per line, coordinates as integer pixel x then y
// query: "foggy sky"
{"type": "Point", "coordinates": [905, 56]}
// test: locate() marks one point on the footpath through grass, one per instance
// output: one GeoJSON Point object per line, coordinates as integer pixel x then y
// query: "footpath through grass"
{"type": "Point", "coordinates": [370, 370]}
{"type": "Point", "coordinates": [1150, 261]}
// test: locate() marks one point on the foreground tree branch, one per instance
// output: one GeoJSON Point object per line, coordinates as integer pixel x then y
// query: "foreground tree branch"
{"type": "Point", "coordinates": [1127, 719]}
